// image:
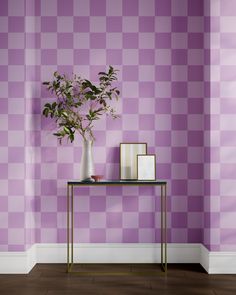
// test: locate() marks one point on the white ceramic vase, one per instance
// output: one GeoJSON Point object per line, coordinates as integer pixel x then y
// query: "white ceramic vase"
{"type": "Point", "coordinates": [86, 166]}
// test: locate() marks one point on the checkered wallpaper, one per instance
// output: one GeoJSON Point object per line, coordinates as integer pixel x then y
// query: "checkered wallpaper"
{"type": "Point", "coordinates": [220, 156]}
{"type": "Point", "coordinates": [161, 52]}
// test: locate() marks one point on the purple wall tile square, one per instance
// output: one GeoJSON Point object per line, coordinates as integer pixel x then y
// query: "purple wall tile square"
{"type": "Point", "coordinates": [48, 187]}
{"type": "Point", "coordinates": [48, 24]}
{"type": "Point", "coordinates": [146, 57]}
{"type": "Point", "coordinates": [114, 24]}
{"type": "Point", "coordinates": [195, 40]}
{"type": "Point", "coordinates": [48, 220]}
{"type": "Point", "coordinates": [130, 8]}
{"type": "Point", "coordinates": [16, 122]}
{"type": "Point", "coordinates": [114, 220]}
{"type": "Point", "coordinates": [97, 235]}
{"type": "Point", "coordinates": [65, 7]}
{"type": "Point", "coordinates": [195, 203]}
{"type": "Point", "coordinates": [195, 138]}
{"type": "Point", "coordinates": [16, 219]}
{"type": "Point", "coordinates": [196, 8]}
{"type": "Point", "coordinates": [65, 40]}
{"type": "Point", "coordinates": [15, 89]}
{"type": "Point", "coordinates": [162, 40]}
{"type": "Point", "coordinates": [81, 24]}
{"type": "Point", "coordinates": [163, 73]}
{"type": "Point", "coordinates": [81, 56]}
{"type": "Point", "coordinates": [114, 57]}
{"type": "Point", "coordinates": [3, 73]}
{"type": "Point", "coordinates": [4, 8]}
{"type": "Point", "coordinates": [179, 154]}
{"type": "Point", "coordinates": [195, 73]}
{"type": "Point", "coordinates": [146, 220]}
{"type": "Point", "coordinates": [146, 122]}
{"type": "Point", "coordinates": [49, 57]}
{"type": "Point", "coordinates": [97, 40]}
{"type": "Point", "coordinates": [16, 24]}
{"type": "Point", "coordinates": [130, 40]}
{"type": "Point", "coordinates": [97, 203]}
{"type": "Point", "coordinates": [130, 73]}
{"type": "Point", "coordinates": [146, 24]}
{"type": "Point", "coordinates": [228, 236]}
{"type": "Point", "coordinates": [179, 56]}
{"type": "Point", "coordinates": [195, 105]}
{"type": "Point", "coordinates": [16, 57]}
{"type": "Point", "coordinates": [146, 89]}
{"type": "Point", "coordinates": [130, 235]}
{"type": "Point", "coordinates": [98, 8]}
{"type": "Point", "coordinates": [194, 235]}
{"type": "Point", "coordinates": [62, 235]}
{"type": "Point", "coordinates": [179, 24]}
{"type": "Point", "coordinates": [178, 187]}
{"type": "Point", "coordinates": [195, 171]}
{"type": "Point", "coordinates": [4, 40]}
{"type": "Point", "coordinates": [179, 89]}
{"type": "Point", "coordinates": [130, 203]}
{"type": "Point", "coordinates": [81, 219]}
{"type": "Point", "coordinates": [163, 7]}
{"type": "Point", "coordinates": [130, 106]}
{"type": "Point", "coordinates": [179, 220]}
{"type": "Point", "coordinates": [179, 122]}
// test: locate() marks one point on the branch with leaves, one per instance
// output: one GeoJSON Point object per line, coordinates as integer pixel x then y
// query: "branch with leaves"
{"type": "Point", "coordinates": [79, 103]}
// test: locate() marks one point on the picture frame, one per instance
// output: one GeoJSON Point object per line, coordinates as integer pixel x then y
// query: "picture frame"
{"type": "Point", "coordinates": [146, 167]}
{"type": "Point", "coordinates": [128, 159]}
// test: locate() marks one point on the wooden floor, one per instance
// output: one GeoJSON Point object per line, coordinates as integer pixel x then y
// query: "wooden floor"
{"type": "Point", "coordinates": [51, 279]}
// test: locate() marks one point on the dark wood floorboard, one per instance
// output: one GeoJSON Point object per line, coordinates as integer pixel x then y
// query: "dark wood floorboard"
{"type": "Point", "coordinates": [132, 279]}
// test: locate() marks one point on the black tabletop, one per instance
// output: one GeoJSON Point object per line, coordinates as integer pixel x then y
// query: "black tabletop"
{"type": "Point", "coordinates": [118, 182]}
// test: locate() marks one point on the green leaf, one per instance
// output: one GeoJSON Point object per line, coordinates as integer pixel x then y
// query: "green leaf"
{"type": "Point", "coordinates": [57, 134]}
{"type": "Point", "coordinates": [67, 130]}
{"type": "Point", "coordinates": [64, 114]}
{"type": "Point", "coordinates": [47, 105]}
{"type": "Point", "coordinates": [102, 73]}
{"type": "Point", "coordinates": [72, 137]}
{"type": "Point", "coordinates": [54, 105]}
{"type": "Point", "coordinates": [45, 112]}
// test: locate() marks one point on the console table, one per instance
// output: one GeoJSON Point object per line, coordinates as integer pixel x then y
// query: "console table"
{"type": "Point", "coordinates": [70, 213]}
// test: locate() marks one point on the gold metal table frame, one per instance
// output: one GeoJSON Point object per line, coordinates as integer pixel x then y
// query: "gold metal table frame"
{"type": "Point", "coordinates": [70, 215]}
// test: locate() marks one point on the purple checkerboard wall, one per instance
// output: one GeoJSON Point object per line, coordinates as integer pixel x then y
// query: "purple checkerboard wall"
{"type": "Point", "coordinates": [12, 130]}
{"type": "Point", "coordinates": [158, 46]}
{"type": "Point", "coordinates": [220, 192]}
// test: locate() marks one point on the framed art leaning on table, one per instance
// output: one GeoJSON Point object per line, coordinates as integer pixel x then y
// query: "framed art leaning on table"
{"type": "Point", "coordinates": [128, 159]}
{"type": "Point", "coordinates": [146, 166]}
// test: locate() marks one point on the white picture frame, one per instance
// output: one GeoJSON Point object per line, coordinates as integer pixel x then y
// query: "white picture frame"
{"type": "Point", "coordinates": [146, 167]}
{"type": "Point", "coordinates": [128, 159]}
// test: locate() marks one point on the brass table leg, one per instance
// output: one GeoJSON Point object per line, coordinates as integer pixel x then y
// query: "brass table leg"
{"type": "Point", "coordinates": [163, 228]}
{"type": "Point", "coordinates": [68, 228]}
{"type": "Point", "coordinates": [72, 225]}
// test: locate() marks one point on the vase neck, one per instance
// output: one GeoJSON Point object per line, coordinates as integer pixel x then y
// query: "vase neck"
{"type": "Point", "coordinates": [87, 143]}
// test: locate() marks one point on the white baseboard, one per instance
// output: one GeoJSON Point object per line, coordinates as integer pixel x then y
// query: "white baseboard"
{"type": "Point", "coordinates": [118, 253]}
{"type": "Point", "coordinates": [23, 262]}
{"type": "Point", "coordinates": [17, 262]}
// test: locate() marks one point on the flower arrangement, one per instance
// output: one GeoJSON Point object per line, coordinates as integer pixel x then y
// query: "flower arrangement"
{"type": "Point", "coordinates": [80, 103]}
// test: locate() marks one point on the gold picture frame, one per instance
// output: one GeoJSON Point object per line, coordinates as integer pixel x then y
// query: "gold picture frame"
{"type": "Point", "coordinates": [146, 167]}
{"type": "Point", "coordinates": [128, 159]}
